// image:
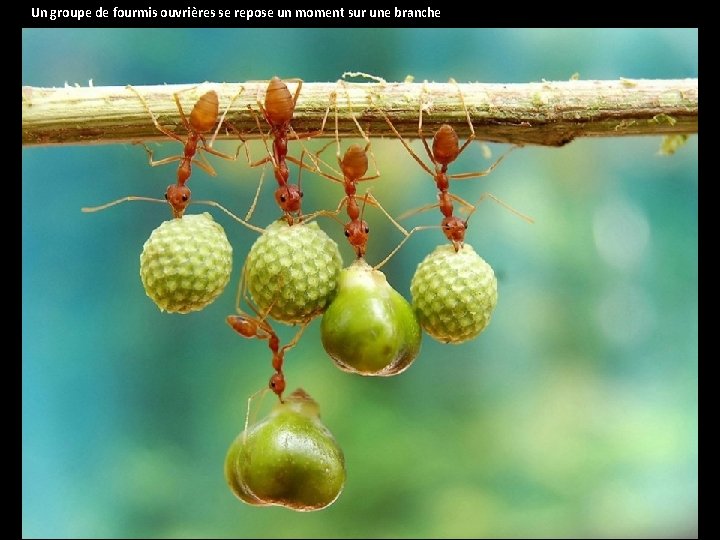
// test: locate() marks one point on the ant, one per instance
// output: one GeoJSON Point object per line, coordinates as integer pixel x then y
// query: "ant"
{"type": "Point", "coordinates": [258, 327]}
{"type": "Point", "coordinates": [445, 150]}
{"type": "Point", "coordinates": [278, 112]}
{"type": "Point", "coordinates": [353, 168]}
{"type": "Point", "coordinates": [202, 118]}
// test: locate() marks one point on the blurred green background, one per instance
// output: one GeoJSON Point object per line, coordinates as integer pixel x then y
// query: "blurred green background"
{"type": "Point", "coordinates": [573, 414]}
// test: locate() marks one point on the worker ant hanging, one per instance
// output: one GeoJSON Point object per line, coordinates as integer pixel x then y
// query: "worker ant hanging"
{"type": "Point", "coordinates": [202, 118]}
{"type": "Point", "coordinates": [353, 166]}
{"type": "Point", "coordinates": [445, 150]}
{"type": "Point", "coordinates": [258, 327]}
{"type": "Point", "coordinates": [278, 111]}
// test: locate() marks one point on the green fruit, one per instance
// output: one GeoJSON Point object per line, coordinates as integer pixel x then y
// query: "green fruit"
{"type": "Point", "coordinates": [454, 293]}
{"type": "Point", "coordinates": [231, 476]}
{"type": "Point", "coordinates": [288, 459]}
{"type": "Point", "coordinates": [369, 328]}
{"type": "Point", "coordinates": [186, 263]}
{"type": "Point", "coordinates": [292, 271]}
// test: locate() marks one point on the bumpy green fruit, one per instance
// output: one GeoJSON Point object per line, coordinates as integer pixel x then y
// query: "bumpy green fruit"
{"type": "Point", "coordinates": [186, 263]}
{"type": "Point", "coordinates": [369, 328]}
{"type": "Point", "coordinates": [454, 293]}
{"type": "Point", "coordinates": [288, 459]}
{"type": "Point", "coordinates": [292, 271]}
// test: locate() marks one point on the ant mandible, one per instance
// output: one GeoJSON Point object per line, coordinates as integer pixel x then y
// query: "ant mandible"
{"type": "Point", "coordinates": [278, 112]}
{"type": "Point", "coordinates": [202, 118]}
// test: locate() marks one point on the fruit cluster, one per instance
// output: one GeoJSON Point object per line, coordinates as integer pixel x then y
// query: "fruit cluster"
{"type": "Point", "coordinates": [293, 274]}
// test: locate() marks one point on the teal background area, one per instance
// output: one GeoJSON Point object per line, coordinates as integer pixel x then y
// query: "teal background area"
{"type": "Point", "coordinates": [574, 414]}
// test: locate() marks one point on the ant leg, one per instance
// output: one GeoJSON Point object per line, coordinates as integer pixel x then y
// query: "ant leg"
{"type": "Point", "coordinates": [420, 130]}
{"type": "Point", "coordinates": [308, 134]}
{"type": "Point", "coordinates": [269, 156]}
{"type": "Point", "coordinates": [154, 118]}
{"type": "Point", "coordinates": [241, 288]}
{"type": "Point", "coordinates": [155, 163]}
{"type": "Point", "coordinates": [495, 199]}
{"type": "Point", "coordinates": [328, 213]}
{"type": "Point", "coordinates": [222, 118]}
{"type": "Point", "coordinates": [232, 215]}
{"type": "Point", "coordinates": [262, 392]}
{"type": "Point", "coordinates": [316, 159]}
{"type": "Point", "coordinates": [405, 144]}
{"type": "Point", "coordinates": [338, 153]}
{"type": "Point", "coordinates": [316, 169]}
{"type": "Point", "coordinates": [414, 211]}
{"type": "Point", "coordinates": [207, 147]}
{"type": "Point", "coordinates": [297, 90]}
{"type": "Point", "coordinates": [471, 137]}
{"type": "Point", "coordinates": [372, 200]}
{"type": "Point", "coordinates": [251, 210]}
{"type": "Point", "coordinates": [176, 97]}
{"type": "Point", "coordinates": [297, 337]}
{"type": "Point", "coordinates": [491, 168]}
{"type": "Point", "coordinates": [299, 212]}
{"type": "Point", "coordinates": [242, 292]}
{"type": "Point", "coordinates": [297, 137]}
{"type": "Point", "coordinates": [204, 164]}
{"type": "Point", "coordinates": [397, 248]}
{"type": "Point", "coordinates": [88, 209]}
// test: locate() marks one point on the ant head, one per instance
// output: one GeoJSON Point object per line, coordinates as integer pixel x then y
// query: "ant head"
{"type": "Point", "coordinates": [454, 230]}
{"type": "Point", "coordinates": [445, 145]}
{"type": "Point", "coordinates": [354, 163]}
{"type": "Point", "coordinates": [357, 232]}
{"type": "Point", "coordinates": [178, 197]}
{"type": "Point", "coordinates": [277, 384]}
{"type": "Point", "coordinates": [289, 198]}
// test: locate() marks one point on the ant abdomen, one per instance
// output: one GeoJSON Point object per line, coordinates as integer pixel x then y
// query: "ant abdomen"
{"type": "Point", "coordinates": [279, 103]}
{"type": "Point", "coordinates": [446, 145]}
{"type": "Point", "coordinates": [242, 325]}
{"type": "Point", "coordinates": [354, 163]}
{"type": "Point", "coordinates": [205, 112]}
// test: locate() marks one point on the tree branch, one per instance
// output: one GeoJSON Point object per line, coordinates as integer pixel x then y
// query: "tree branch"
{"type": "Point", "coordinates": [545, 113]}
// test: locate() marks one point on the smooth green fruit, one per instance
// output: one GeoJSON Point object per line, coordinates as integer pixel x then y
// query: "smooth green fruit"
{"type": "Point", "coordinates": [186, 263]}
{"type": "Point", "coordinates": [454, 293]}
{"type": "Point", "coordinates": [288, 459]}
{"type": "Point", "coordinates": [292, 271]}
{"type": "Point", "coordinates": [369, 328]}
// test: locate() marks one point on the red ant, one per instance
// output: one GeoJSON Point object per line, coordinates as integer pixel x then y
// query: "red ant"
{"type": "Point", "coordinates": [445, 150]}
{"type": "Point", "coordinates": [203, 117]}
{"type": "Point", "coordinates": [258, 327]}
{"type": "Point", "coordinates": [278, 112]}
{"type": "Point", "coordinates": [353, 167]}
